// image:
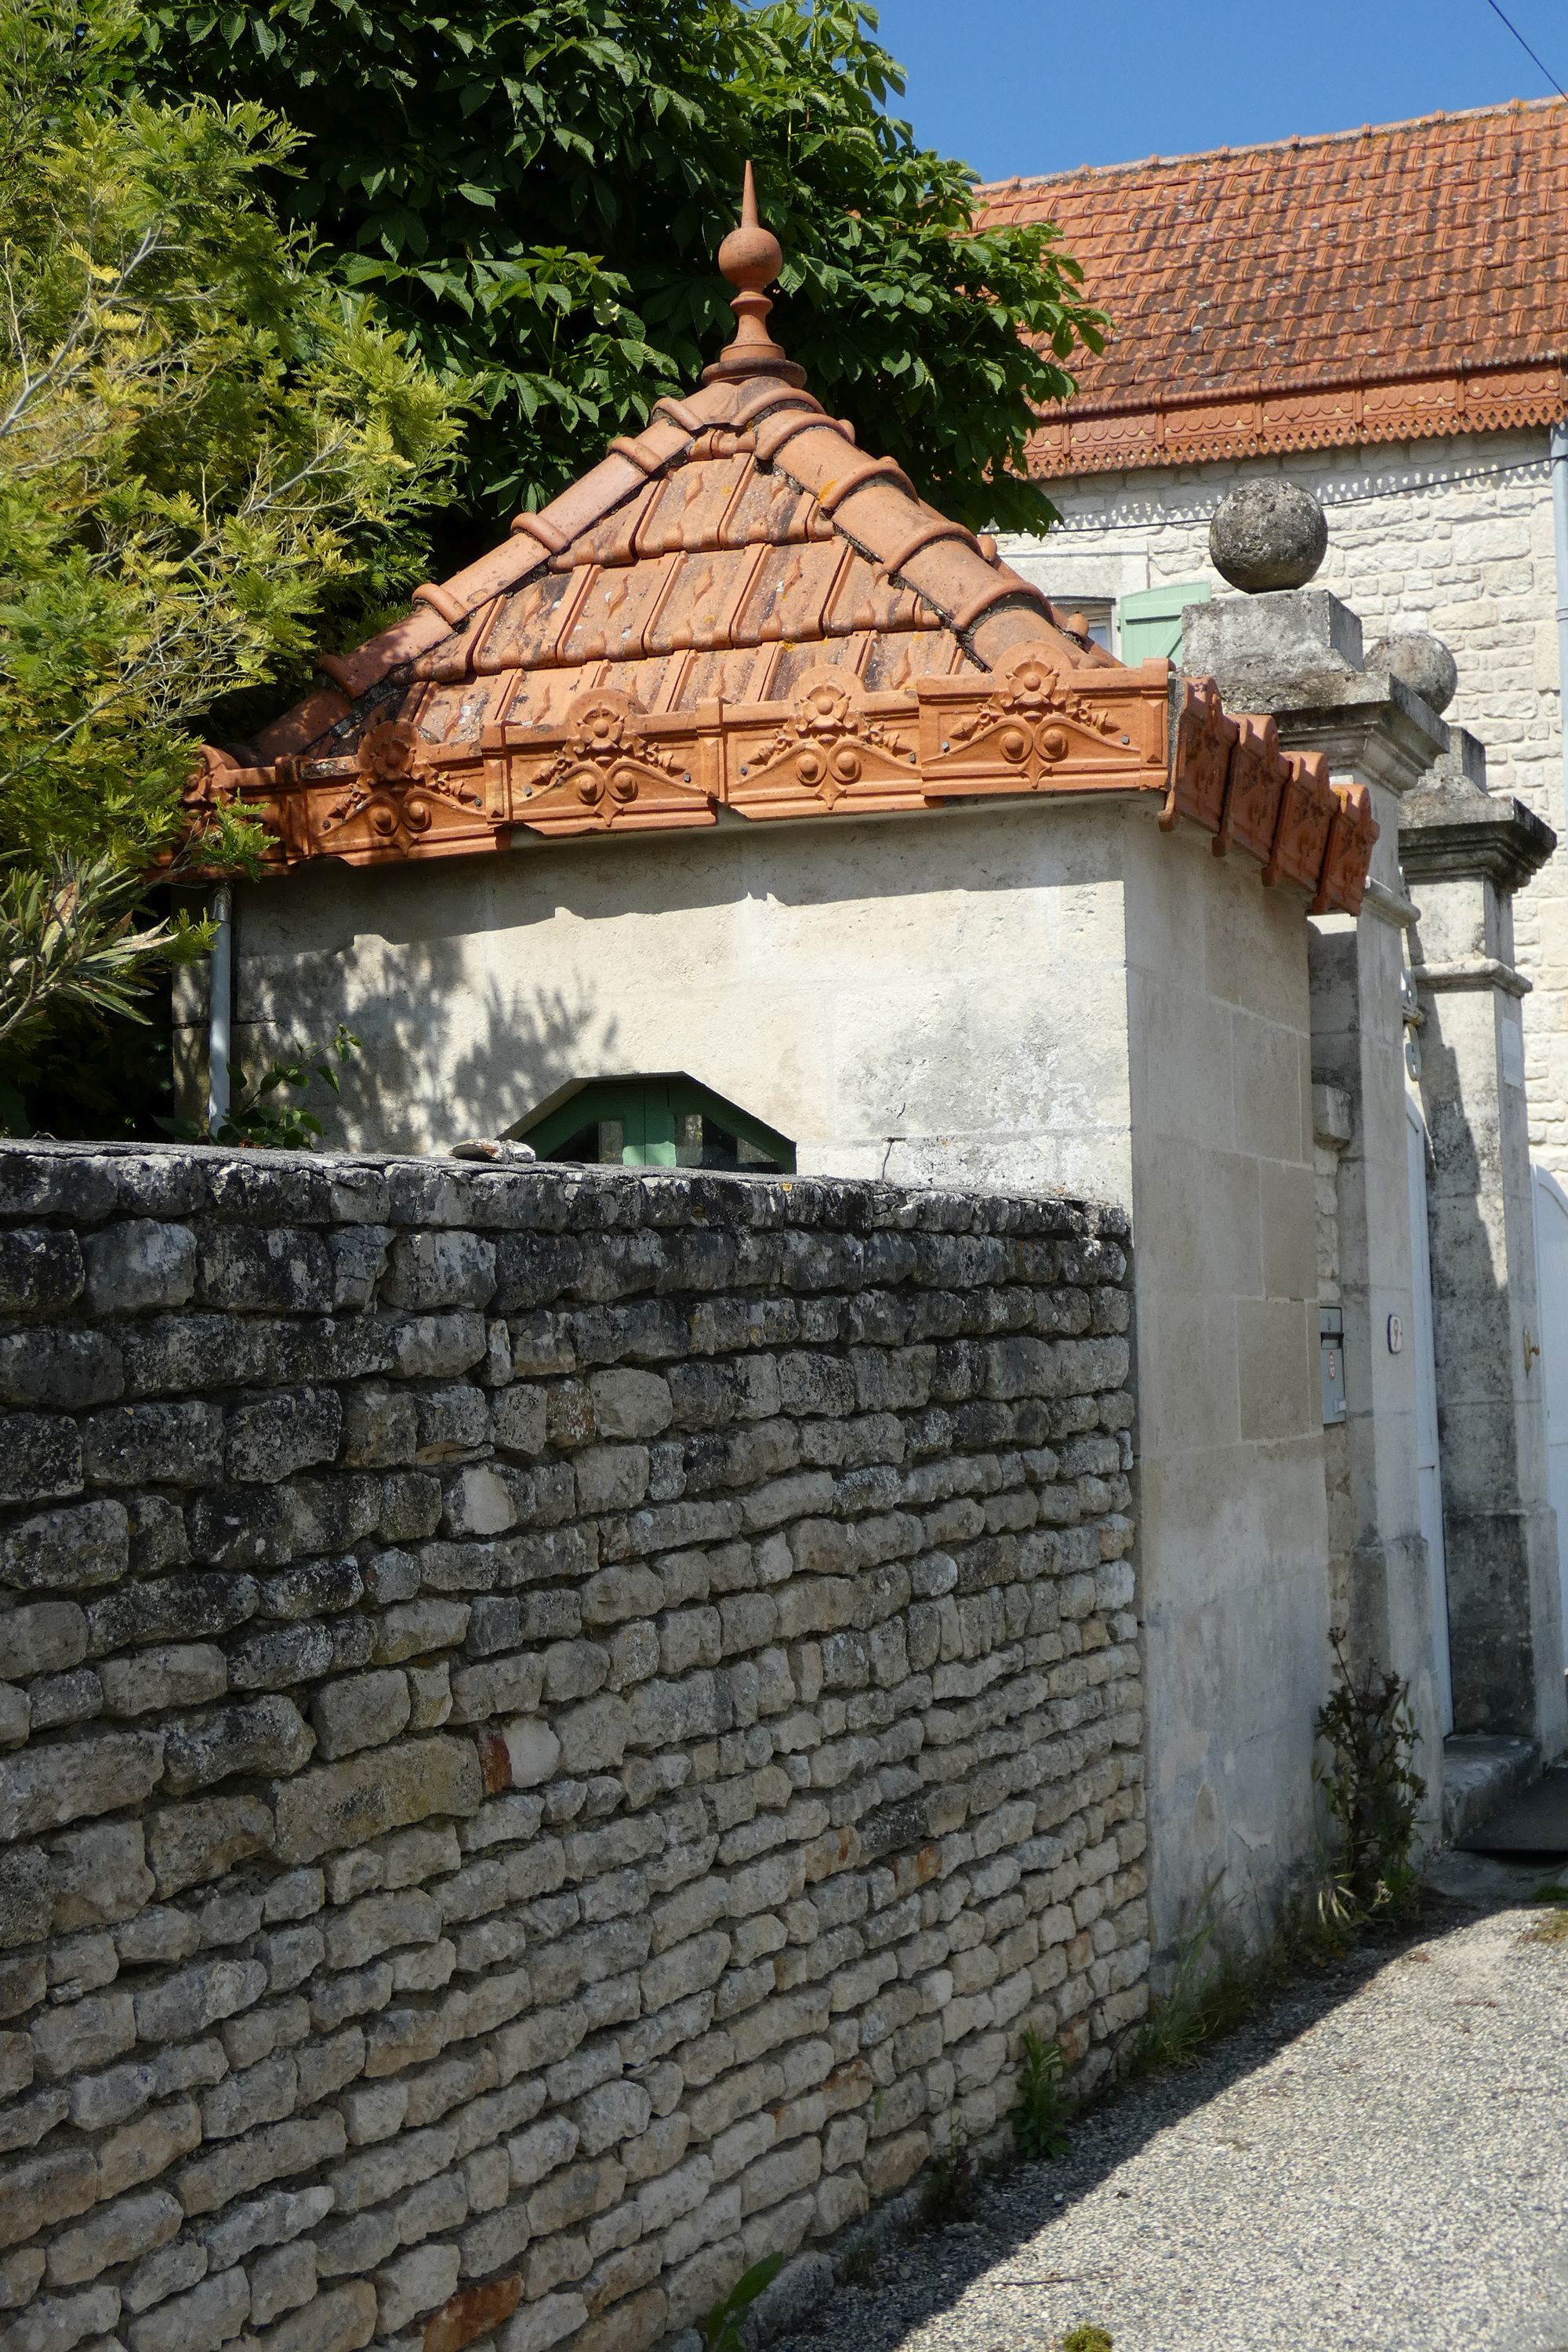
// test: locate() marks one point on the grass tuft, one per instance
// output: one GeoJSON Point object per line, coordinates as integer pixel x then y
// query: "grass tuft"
{"type": "Point", "coordinates": [948, 2185]}
{"type": "Point", "coordinates": [1041, 2108]}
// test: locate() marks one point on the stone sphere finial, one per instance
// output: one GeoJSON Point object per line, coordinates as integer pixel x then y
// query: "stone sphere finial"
{"type": "Point", "coordinates": [1420, 661]}
{"type": "Point", "coordinates": [751, 256]}
{"type": "Point", "coordinates": [1267, 534]}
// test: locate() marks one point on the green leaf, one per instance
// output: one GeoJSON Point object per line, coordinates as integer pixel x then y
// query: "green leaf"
{"type": "Point", "coordinates": [595, 152]}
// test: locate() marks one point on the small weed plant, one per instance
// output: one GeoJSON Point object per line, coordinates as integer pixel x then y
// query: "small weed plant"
{"type": "Point", "coordinates": [258, 1115]}
{"type": "Point", "coordinates": [1086, 2338]}
{"type": "Point", "coordinates": [1040, 2110]}
{"type": "Point", "coordinates": [1552, 1928]}
{"type": "Point", "coordinates": [1211, 1992]}
{"type": "Point", "coordinates": [1372, 1793]}
{"type": "Point", "coordinates": [722, 2328]}
{"type": "Point", "coordinates": [858, 2266]}
{"type": "Point", "coordinates": [949, 2184]}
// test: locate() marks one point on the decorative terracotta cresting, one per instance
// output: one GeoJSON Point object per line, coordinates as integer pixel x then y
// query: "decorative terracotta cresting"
{"type": "Point", "coordinates": [751, 259]}
{"type": "Point", "coordinates": [739, 609]}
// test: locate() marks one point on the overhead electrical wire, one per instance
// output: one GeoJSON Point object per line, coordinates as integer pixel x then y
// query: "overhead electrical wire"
{"type": "Point", "coordinates": [1071, 525]}
{"type": "Point", "coordinates": [1525, 45]}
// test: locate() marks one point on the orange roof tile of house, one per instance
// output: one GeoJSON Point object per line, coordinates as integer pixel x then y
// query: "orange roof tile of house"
{"type": "Point", "coordinates": [1387, 284]}
{"type": "Point", "coordinates": [739, 611]}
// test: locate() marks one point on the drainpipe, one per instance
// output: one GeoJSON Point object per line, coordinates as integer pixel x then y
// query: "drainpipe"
{"type": "Point", "coordinates": [220, 1007]}
{"type": "Point", "coordinates": [1560, 537]}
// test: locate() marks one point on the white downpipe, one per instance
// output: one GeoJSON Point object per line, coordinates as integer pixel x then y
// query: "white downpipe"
{"type": "Point", "coordinates": [1559, 539]}
{"type": "Point", "coordinates": [220, 1008]}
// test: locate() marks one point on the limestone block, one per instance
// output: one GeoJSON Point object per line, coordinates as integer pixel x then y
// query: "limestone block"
{"type": "Point", "coordinates": [533, 1751]}
{"type": "Point", "coordinates": [139, 1264]}
{"type": "Point", "coordinates": [273, 1268]}
{"type": "Point", "coordinates": [415, 1628]}
{"type": "Point", "coordinates": [340, 2321]}
{"type": "Point", "coordinates": [540, 2325]}
{"type": "Point", "coordinates": [281, 2280]}
{"type": "Point", "coordinates": [115, 2233]}
{"type": "Point", "coordinates": [380, 1426]}
{"type": "Point", "coordinates": [166, 2272]}
{"type": "Point", "coordinates": [70, 1550]}
{"type": "Point", "coordinates": [436, 1347]}
{"type": "Point", "coordinates": [61, 1370]}
{"type": "Point", "coordinates": [271, 1437]}
{"type": "Point", "coordinates": [478, 1503]}
{"type": "Point", "coordinates": [266, 1736]}
{"type": "Point", "coordinates": [414, 2284]}
{"type": "Point", "coordinates": [156, 1678]}
{"type": "Point", "coordinates": [342, 1804]}
{"type": "Point", "coordinates": [45, 1788]}
{"type": "Point", "coordinates": [361, 1711]}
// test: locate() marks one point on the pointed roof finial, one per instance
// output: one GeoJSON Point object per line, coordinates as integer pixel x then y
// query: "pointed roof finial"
{"type": "Point", "coordinates": [751, 259]}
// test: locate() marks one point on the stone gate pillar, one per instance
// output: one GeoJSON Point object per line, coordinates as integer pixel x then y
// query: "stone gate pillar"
{"type": "Point", "coordinates": [1465, 854]}
{"type": "Point", "coordinates": [1298, 655]}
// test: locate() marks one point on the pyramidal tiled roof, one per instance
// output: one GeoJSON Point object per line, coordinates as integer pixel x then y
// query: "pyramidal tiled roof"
{"type": "Point", "coordinates": [740, 540]}
{"type": "Point", "coordinates": [738, 609]}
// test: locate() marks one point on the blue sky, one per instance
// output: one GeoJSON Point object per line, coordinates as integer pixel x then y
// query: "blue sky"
{"type": "Point", "coordinates": [1033, 86]}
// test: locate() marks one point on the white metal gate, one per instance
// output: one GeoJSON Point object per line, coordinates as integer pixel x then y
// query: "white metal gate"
{"type": "Point", "coordinates": [1551, 1277]}
{"type": "Point", "coordinates": [1429, 1472]}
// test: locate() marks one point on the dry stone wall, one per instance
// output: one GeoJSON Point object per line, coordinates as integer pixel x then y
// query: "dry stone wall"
{"type": "Point", "coordinates": [558, 1727]}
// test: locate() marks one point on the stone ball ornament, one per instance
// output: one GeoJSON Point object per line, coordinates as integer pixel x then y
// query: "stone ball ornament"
{"type": "Point", "coordinates": [1420, 661]}
{"type": "Point", "coordinates": [1267, 534]}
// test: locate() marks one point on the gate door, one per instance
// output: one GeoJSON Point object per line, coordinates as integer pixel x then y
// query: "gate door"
{"type": "Point", "coordinates": [1429, 1474]}
{"type": "Point", "coordinates": [1551, 1275]}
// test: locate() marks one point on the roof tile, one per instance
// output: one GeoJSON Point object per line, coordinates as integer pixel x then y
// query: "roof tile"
{"type": "Point", "coordinates": [1425, 254]}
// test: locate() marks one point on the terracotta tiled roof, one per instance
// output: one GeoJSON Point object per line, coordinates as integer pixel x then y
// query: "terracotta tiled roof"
{"type": "Point", "coordinates": [1391, 283]}
{"type": "Point", "coordinates": [737, 610]}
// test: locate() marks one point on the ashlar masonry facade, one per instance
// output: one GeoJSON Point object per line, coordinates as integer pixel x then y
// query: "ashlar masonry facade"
{"type": "Point", "coordinates": [1381, 316]}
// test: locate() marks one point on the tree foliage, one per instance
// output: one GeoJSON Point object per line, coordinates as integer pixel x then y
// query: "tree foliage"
{"type": "Point", "coordinates": [210, 455]}
{"type": "Point", "coordinates": [536, 190]}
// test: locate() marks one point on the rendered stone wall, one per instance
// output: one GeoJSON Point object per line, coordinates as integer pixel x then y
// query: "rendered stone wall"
{"type": "Point", "coordinates": [1452, 535]}
{"type": "Point", "coordinates": [559, 1728]}
{"type": "Point", "coordinates": [1331, 1131]}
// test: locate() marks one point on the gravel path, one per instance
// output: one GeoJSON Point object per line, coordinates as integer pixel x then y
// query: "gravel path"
{"type": "Point", "coordinates": [1379, 2163]}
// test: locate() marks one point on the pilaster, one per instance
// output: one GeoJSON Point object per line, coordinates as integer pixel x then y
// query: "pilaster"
{"type": "Point", "coordinates": [1465, 853]}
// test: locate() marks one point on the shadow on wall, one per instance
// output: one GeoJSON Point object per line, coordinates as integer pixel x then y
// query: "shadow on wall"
{"type": "Point", "coordinates": [415, 1084]}
{"type": "Point", "coordinates": [1500, 1553]}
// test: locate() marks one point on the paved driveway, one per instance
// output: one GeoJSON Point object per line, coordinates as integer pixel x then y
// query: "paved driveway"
{"type": "Point", "coordinates": [1378, 2164]}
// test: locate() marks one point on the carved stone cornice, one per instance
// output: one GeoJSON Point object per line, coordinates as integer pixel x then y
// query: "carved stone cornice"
{"type": "Point", "coordinates": [1474, 972]}
{"type": "Point", "coordinates": [1373, 727]}
{"type": "Point", "coordinates": [1452, 832]}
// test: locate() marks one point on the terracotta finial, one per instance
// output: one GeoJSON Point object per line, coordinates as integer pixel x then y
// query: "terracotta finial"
{"type": "Point", "coordinates": [751, 259]}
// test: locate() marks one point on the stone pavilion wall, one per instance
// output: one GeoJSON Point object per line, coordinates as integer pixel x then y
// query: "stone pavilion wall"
{"type": "Point", "coordinates": [558, 1726]}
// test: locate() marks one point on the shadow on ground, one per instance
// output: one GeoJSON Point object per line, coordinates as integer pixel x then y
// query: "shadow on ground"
{"type": "Point", "coordinates": [923, 2273]}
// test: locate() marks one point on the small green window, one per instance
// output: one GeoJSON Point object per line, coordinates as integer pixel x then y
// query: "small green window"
{"type": "Point", "coordinates": [1150, 620]}
{"type": "Point", "coordinates": [668, 1121]}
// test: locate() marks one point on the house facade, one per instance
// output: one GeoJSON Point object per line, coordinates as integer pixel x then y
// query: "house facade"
{"type": "Point", "coordinates": [1383, 316]}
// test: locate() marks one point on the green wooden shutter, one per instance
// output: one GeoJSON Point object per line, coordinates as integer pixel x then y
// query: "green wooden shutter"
{"type": "Point", "coordinates": [646, 1109]}
{"type": "Point", "coordinates": [1151, 619]}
